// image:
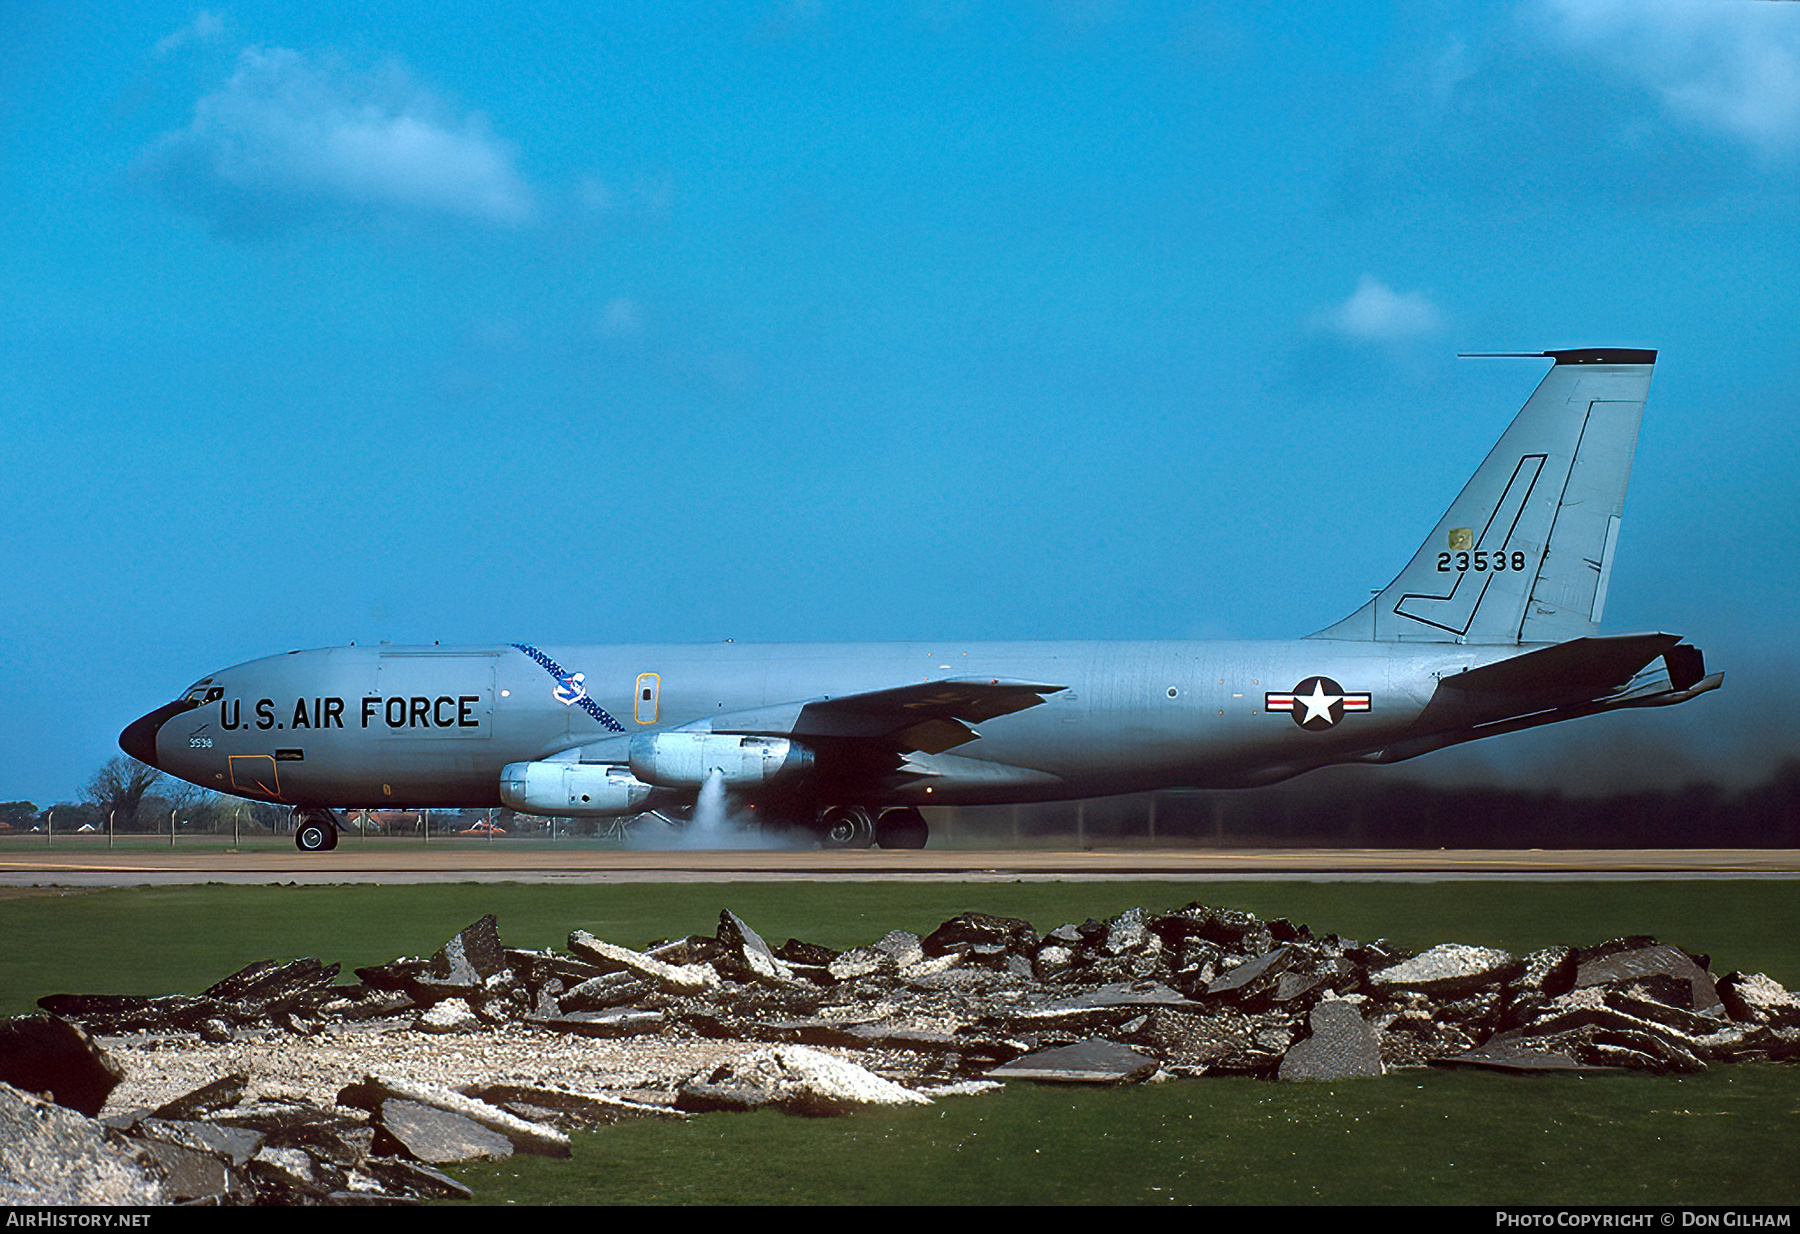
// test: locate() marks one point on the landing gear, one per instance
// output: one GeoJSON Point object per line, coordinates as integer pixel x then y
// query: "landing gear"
{"type": "Point", "coordinates": [846, 827]}
{"type": "Point", "coordinates": [857, 827]}
{"type": "Point", "coordinates": [315, 831]}
{"type": "Point", "coordinates": [902, 827]}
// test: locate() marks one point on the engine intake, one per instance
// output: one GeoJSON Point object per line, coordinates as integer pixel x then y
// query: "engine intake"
{"type": "Point", "coordinates": [685, 760]}
{"type": "Point", "coordinates": [574, 790]}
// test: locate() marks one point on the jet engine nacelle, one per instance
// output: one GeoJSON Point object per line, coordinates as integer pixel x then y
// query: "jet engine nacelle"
{"type": "Point", "coordinates": [574, 790]}
{"type": "Point", "coordinates": [686, 760]}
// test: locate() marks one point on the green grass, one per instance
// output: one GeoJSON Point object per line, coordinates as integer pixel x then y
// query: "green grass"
{"type": "Point", "coordinates": [165, 940]}
{"type": "Point", "coordinates": [1725, 1136]}
{"type": "Point", "coordinates": [1428, 1137]}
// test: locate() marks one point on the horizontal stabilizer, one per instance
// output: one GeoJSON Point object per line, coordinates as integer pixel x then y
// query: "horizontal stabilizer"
{"type": "Point", "coordinates": [1582, 677]}
{"type": "Point", "coordinates": [1583, 667]}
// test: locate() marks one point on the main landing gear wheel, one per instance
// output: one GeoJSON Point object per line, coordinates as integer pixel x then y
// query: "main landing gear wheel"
{"type": "Point", "coordinates": [846, 827]}
{"type": "Point", "coordinates": [315, 831]}
{"type": "Point", "coordinates": [902, 827]}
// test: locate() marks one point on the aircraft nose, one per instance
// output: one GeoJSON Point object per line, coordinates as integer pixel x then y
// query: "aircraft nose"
{"type": "Point", "coordinates": [139, 737]}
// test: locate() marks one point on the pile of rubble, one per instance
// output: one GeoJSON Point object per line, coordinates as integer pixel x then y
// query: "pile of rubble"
{"type": "Point", "coordinates": [982, 999]}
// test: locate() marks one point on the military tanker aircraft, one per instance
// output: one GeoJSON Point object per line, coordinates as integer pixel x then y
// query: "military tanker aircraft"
{"type": "Point", "coordinates": [1492, 627]}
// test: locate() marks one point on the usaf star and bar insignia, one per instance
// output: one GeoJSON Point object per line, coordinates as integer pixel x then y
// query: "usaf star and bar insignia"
{"type": "Point", "coordinates": [1317, 703]}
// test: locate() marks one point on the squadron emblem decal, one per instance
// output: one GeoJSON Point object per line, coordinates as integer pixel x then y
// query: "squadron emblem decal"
{"type": "Point", "coordinates": [571, 688]}
{"type": "Point", "coordinates": [1317, 703]}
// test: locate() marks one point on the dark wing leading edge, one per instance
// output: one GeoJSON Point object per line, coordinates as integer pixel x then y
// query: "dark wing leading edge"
{"type": "Point", "coordinates": [929, 717]}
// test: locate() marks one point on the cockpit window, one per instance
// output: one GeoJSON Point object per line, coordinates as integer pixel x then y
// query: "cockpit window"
{"type": "Point", "coordinates": [200, 693]}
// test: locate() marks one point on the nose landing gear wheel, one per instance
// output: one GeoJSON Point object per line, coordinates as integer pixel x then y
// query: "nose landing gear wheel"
{"type": "Point", "coordinates": [846, 827]}
{"type": "Point", "coordinates": [315, 831]}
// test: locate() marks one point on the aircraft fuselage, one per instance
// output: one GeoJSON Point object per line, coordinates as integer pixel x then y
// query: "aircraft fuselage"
{"type": "Point", "coordinates": [434, 726]}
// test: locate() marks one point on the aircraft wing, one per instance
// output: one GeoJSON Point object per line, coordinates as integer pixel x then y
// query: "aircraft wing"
{"type": "Point", "coordinates": [929, 716]}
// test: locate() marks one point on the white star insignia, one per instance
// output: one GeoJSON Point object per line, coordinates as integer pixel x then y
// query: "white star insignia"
{"type": "Point", "coordinates": [1318, 704]}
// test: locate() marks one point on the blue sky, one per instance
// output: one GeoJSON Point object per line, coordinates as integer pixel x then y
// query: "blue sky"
{"type": "Point", "coordinates": [796, 321]}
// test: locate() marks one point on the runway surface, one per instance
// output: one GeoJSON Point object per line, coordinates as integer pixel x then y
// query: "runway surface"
{"type": "Point", "coordinates": [22, 865]}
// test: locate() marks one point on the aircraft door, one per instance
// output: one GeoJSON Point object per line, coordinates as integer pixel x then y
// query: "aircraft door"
{"type": "Point", "coordinates": [646, 702]}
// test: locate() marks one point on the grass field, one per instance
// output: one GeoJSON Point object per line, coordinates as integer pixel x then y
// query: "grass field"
{"type": "Point", "coordinates": [1429, 1137]}
{"type": "Point", "coordinates": [1727, 1136]}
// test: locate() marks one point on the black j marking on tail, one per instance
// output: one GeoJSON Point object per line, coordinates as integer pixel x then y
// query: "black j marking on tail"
{"type": "Point", "coordinates": [1487, 556]}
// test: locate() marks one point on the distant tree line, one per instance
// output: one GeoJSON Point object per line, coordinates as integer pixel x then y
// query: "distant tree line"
{"type": "Point", "coordinates": [1374, 808]}
{"type": "Point", "coordinates": [140, 800]}
{"type": "Point", "coordinates": [134, 798]}
{"type": "Point", "coordinates": [1346, 806]}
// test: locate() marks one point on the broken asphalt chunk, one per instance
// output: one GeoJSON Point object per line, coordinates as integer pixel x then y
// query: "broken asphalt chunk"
{"type": "Point", "coordinates": [437, 1136]}
{"type": "Point", "coordinates": [1095, 1061]}
{"type": "Point", "coordinates": [48, 1054]}
{"type": "Point", "coordinates": [525, 1135]}
{"type": "Point", "coordinates": [1341, 1045]}
{"type": "Point", "coordinates": [1614, 965]}
{"type": "Point", "coordinates": [794, 1078]}
{"type": "Point", "coordinates": [1449, 970]}
{"type": "Point", "coordinates": [747, 957]}
{"type": "Point", "coordinates": [675, 978]}
{"type": "Point", "coordinates": [967, 931]}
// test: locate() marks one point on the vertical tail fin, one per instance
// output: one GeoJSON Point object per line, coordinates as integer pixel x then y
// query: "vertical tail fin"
{"type": "Point", "coordinates": [1525, 553]}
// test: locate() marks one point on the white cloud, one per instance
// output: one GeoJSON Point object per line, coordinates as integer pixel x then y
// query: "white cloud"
{"type": "Point", "coordinates": [288, 136]}
{"type": "Point", "coordinates": [1728, 66]}
{"type": "Point", "coordinates": [203, 29]}
{"type": "Point", "coordinates": [1376, 313]}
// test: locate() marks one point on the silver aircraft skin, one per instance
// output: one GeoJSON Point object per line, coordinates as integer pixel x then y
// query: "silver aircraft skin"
{"type": "Point", "coordinates": [1492, 627]}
